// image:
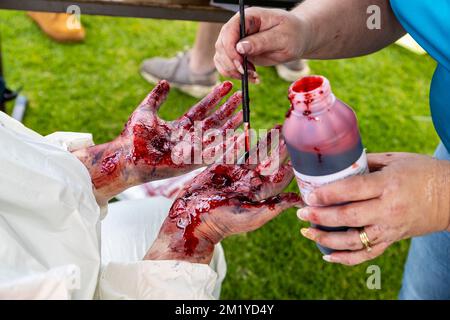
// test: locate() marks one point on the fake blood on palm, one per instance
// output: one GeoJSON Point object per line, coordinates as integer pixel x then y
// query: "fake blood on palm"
{"type": "Point", "coordinates": [322, 137]}
{"type": "Point", "coordinates": [224, 186]}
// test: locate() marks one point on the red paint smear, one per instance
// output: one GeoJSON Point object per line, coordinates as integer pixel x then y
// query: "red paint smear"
{"type": "Point", "coordinates": [109, 164]}
{"type": "Point", "coordinates": [201, 109]}
{"type": "Point", "coordinates": [158, 93]}
{"type": "Point", "coordinates": [150, 146]}
{"type": "Point", "coordinates": [247, 140]}
{"type": "Point", "coordinates": [305, 87]}
{"type": "Point", "coordinates": [307, 84]}
{"type": "Point", "coordinates": [319, 154]}
{"type": "Point", "coordinates": [279, 176]}
{"type": "Point", "coordinates": [222, 187]}
{"type": "Point", "coordinates": [190, 240]}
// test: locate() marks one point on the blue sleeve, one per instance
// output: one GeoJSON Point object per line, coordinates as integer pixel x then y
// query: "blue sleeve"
{"type": "Point", "coordinates": [428, 22]}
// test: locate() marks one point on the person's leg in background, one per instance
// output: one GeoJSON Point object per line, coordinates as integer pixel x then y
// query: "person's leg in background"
{"type": "Point", "coordinates": [194, 72]}
{"type": "Point", "coordinates": [427, 270]}
{"type": "Point", "coordinates": [58, 27]}
{"type": "Point", "coordinates": [202, 53]}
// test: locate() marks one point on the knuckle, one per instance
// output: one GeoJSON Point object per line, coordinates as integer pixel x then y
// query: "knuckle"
{"type": "Point", "coordinates": [397, 208]}
{"type": "Point", "coordinates": [223, 72]}
{"type": "Point", "coordinates": [218, 44]}
{"type": "Point", "coordinates": [324, 196]}
{"type": "Point", "coordinates": [348, 215]}
{"type": "Point", "coordinates": [372, 255]}
{"type": "Point", "coordinates": [352, 241]}
{"type": "Point", "coordinates": [265, 40]}
{"type": "Point", "coordinates": [361, 180]}
{"type": "Point", "coordinates": [348, 261]}
{"type": "Point", "coordinates": [324, 239]}
{"type": "Point", "coordinates": [319, 238]}
{"type": "Point", "coordinates": [394, 184]}
{"type": "Point", "coordinates": [375, 232]}
{"type": "Point", "coordinates": [357, 259]}
{"type": "Point", "coordinates": [315, 217]}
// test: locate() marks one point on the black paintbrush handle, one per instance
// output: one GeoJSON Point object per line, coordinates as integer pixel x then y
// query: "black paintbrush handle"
{"type": "Point", "coordinates": [245, 95]}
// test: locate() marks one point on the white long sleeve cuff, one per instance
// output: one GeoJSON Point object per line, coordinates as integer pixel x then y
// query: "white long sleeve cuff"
{"type": "Point", "coordinates": [162, 279]}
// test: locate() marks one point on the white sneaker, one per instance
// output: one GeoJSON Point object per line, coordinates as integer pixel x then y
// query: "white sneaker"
{"type": "Point", "coordinates": [294, 70]}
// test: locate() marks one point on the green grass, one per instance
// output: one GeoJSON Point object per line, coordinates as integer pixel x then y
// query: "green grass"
{"type": "Point", "coordinates": [93, 87]}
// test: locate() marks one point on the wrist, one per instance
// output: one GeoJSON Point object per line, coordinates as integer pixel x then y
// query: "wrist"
{"type": "Point", "coordinates": [175, 247]}
{"type": "Point", "coordinates": [305, 26]}
{"type": "Point", "coordinates": [443, 185]}
{"type": "Point", "coordinates": [106, 164]}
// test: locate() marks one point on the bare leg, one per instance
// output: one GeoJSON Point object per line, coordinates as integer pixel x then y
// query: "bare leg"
{"type": "Point", "coordinates": [202, 54]}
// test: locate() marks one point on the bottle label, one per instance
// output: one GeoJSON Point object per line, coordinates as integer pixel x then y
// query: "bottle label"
{"type": "Point", "coordinates": [308, 183]}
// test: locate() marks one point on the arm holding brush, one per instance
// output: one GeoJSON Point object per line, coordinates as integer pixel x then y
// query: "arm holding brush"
{"type": "Point", "coordinates": [316, 29]}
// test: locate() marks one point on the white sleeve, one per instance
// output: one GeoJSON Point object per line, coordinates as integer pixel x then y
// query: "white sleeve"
{"type": "Point", "coordinates": [160, 280]}
{"type": "Point", "coordinates": [128, 231]}
{"type": "Point", "coordinates": [73, 141]}
{"type": "Point", "coordinates": [49, 218]}
{"type": "Point", "coordinates": [56, 284]}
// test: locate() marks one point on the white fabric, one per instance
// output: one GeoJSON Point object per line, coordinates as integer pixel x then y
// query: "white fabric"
{"type": "Point", "coordinates": [55, 284]}
{"type": "Point", "coordinates": [127, 232]}
{"type": "Point", "coordinates": [48, 213]}
{"type": "Point", "coordinates": [157, 280]}
{"type": "Point", "coordinates": [50, 230]}
{"type": "Point", "coordinates": [71, 141]}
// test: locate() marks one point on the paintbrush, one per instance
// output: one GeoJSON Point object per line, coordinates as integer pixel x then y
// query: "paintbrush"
{"type": "Point", "coordinates": [244, 79]}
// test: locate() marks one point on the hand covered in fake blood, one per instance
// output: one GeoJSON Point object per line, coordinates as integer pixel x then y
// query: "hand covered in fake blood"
{"type": "Point", "coordinates": [150, 148]}
{"type": "Point", "coordinates": [223, 200]}
{"type": "Point", "coordinates": [405, 195]}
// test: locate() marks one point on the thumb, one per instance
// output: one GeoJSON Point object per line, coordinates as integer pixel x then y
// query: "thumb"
{"type": "Point", "coordinates": [156, 97]}
{"type": "Point", "coordinates": [259, 43]}
{"type": "Point", "coordinates": [377, 161]}
{"type": "Point", "coordinates": [271, 207]}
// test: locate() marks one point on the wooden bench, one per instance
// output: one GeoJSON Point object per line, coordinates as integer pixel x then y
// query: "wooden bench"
{"type": "Point", "coordinates": [193, 10]}
{"type": "Point", "coordinates": [196, 10]}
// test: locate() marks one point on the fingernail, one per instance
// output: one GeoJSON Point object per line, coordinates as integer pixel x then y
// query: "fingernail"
{"type": "Point", "coordinates": [256, 81]}
{"type": "Point", "coordinates": [255, 77]}
{"type": "Point", "coordinates": [303, 214]}
{"type": "Point", "coordinates": [311, 199]}
{"type": "Point", "coordinates": [305, 232]}
{"type": "Point", "coordinates": [239, 66]}
{"type": "Point", "coordinates": [328, 258]}
{"type": "Point", "coordinates": [243, 47]}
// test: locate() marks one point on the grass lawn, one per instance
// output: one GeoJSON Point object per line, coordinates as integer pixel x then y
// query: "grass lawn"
{"type": "Point", "coordinates": [93, 87]}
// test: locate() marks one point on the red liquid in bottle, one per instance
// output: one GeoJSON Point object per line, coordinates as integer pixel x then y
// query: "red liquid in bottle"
{"type": "Point", "coordinates": [322, 137]}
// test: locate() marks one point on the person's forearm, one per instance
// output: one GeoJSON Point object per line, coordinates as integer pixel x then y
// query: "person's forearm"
{"type": "Point", "coordinates": [338, 29]}
{"type": "Point", "coordinates": [106, 166]}
{"type": "Point", "coordinates": [443, 176]}
{"type": "Point", "coordinates": [179, 247]}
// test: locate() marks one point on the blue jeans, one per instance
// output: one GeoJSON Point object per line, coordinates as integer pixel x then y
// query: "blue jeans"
{"type": "Point", "coordinates": [427, 270]}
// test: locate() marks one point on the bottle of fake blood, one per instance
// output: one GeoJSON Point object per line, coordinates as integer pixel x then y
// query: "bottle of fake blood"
{"type": "Point", "coordinates": [322, 137]}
